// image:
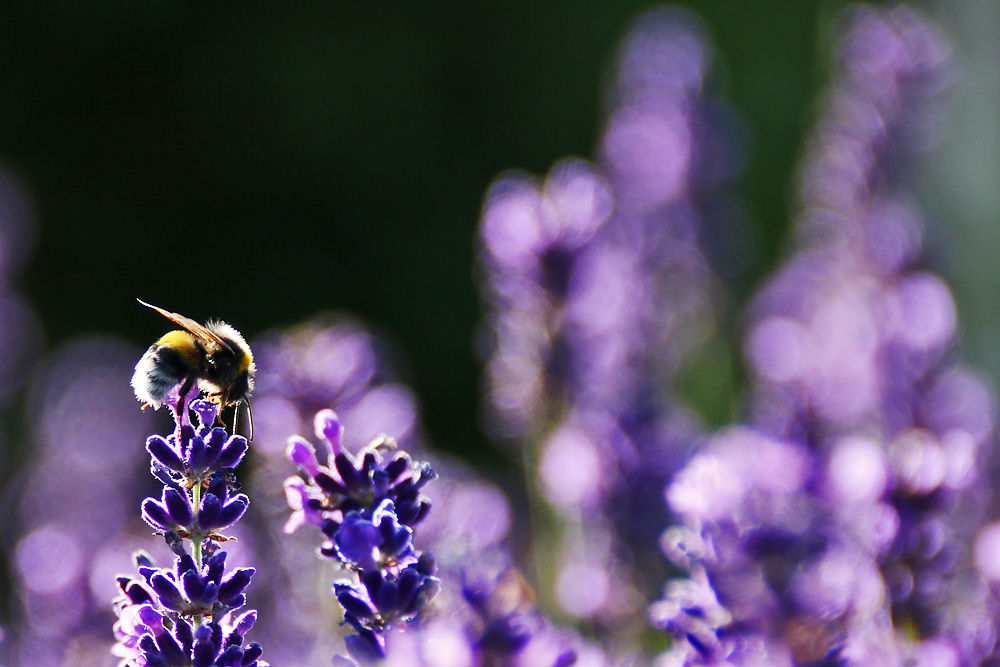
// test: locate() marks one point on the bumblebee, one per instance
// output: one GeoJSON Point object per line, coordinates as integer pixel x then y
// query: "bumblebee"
{"type": "Point", "coordinates": [212, 356]}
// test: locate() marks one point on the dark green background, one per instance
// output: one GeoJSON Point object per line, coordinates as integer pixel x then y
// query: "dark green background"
{"type": "Point", "coordinates": [261, 162]}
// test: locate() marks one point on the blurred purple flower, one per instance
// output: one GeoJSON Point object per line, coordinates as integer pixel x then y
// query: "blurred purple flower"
{"type": "Point", "coordinates": [532, 242]}
{"type": "Point", "coordinates": [494, 623]}
{"type": "Point", "coordinates": [597, 292]}
{"type": "Point", "coordinates": [329, 363]}
{"type": "Point", "coordinates": [64, 552]}
{"type": "Point", "coordinates": [836, 529]}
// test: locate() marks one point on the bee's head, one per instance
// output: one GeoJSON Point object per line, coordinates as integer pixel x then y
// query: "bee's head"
{"type": "Point", "coordinates": [233, 366]}
{"type": "Point", "coordinates": [243, 382]}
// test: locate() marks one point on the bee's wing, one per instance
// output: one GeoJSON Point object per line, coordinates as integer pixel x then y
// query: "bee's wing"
{"type": "Point", "coordinates": [197, 329]}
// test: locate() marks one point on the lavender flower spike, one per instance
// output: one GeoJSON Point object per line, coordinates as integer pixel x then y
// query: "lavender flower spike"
{"type": "Point", "coordinates": [598, 291]}
{"type": "Point", "coordinates": [857, 553]}
{"type": "Point", "coordinates": [190, 613]}
{"type": "Point", "coordinates": [366, 506]}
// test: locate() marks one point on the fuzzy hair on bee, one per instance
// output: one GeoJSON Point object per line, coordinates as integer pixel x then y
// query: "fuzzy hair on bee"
{"type": "Point", "coordinates": [214, 357]}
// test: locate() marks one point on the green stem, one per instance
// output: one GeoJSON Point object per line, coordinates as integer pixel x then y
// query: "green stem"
{"type": "Point", "coordinates": [196, 542]}
{"type": "Point", "coordinates": [546, 528]}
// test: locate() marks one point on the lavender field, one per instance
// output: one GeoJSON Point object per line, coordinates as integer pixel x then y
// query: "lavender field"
{"type": "Point", "coordinates": [708, 458]}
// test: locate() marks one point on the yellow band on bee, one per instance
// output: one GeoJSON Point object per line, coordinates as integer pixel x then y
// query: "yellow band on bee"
{"type": "Point", "coordinates": [184, 343]}
{"type": "Point", "coordinates": [245, 361]}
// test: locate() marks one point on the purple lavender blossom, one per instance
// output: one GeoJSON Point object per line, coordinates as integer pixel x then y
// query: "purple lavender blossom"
{"type": "Point", "coordinates": [491, 620]}
{"type": "Point", "coordinates": [366, 506]}
{"type": "Point", "coordinates": [339, 365]}
{"type": "Point", "coordinates": [401, 605]}
{"type": "Point", "coordinates": [185, 614]}
{"type": "Point", "coordinates": [533, 239]}
{"type": "Point", "coordinates": [326, 362]}
{"type": "Point", "coordinates": [352, 489]}
{"type": "Point", "coordinates": [584, 271]}
{"type": "Point", "coordinates": [203, 459]}
{"type": "Point", "coordinates": [598, 291]}
{"type": "Point", "coordinates": [836, 528]}
{"type": "Point", "coordinates": [147, 634]}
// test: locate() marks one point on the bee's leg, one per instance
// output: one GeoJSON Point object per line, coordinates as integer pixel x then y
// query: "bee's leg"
{"type": "Point", "coordinates": [236, 419]}
{"type": "Point", "coordinates": [217, 399]}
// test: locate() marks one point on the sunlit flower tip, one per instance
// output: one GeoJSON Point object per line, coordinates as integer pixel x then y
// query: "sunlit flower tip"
{"type": "Point", "coordinates": [216, 566]}
{"type": "Point", "coordinates": [328, 428]}
{"type": "Point", "coordinates": [206, 413]}
{"type": "Point", "coordinates": [183, 564]}
{"type": "Point", "coordinates": [243, 623]}
{"type": "Point", "coordinates": [396, 538]}
{"type": "Point", "coordinates": [233, 451]}
{"type": "Point", "coordinates": [199, 592]}
{"type": "Point", "coordinates": [132, 592]}
{"type": "Point", "coordinates": [167, 592]}
{"type": "Point", "coordinates": [296, 493]}
{"type": "Point", "coordinates": [357, 539]}
{"type": "Point", "coordinates": [173, 511]}
{"type": "Point", "coordinates": [141, 559]}
{"type": "Point", "coordinates": [303, 454]}
{"type": "Point", "coordinates": [213, 646]}
{"type": "Point", "coordinates": [218, 515]}
{"type": "Point", "coordinates": [215, 441]}
{"type": "Point", "coordinates": [352, 603]}
{"type": "Point", "coordinates": [196, 457]}
{"type": "Point", "coordinates": [426, 564]}
{"type": "Point", "coordinates": [365, 647]}
{"type": "Point", "coordinates": [251, 656]}
{"type": "Point", "coordinates": [232, 588]}
{"type": "Point", "coordinates": [163, 453]}
{"type": "Point", "coordinates": [151, 617]}
{"type": "Point", "coordinates": [210, 632]}
{"type": "Point", "coordinates": [297, 496]}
